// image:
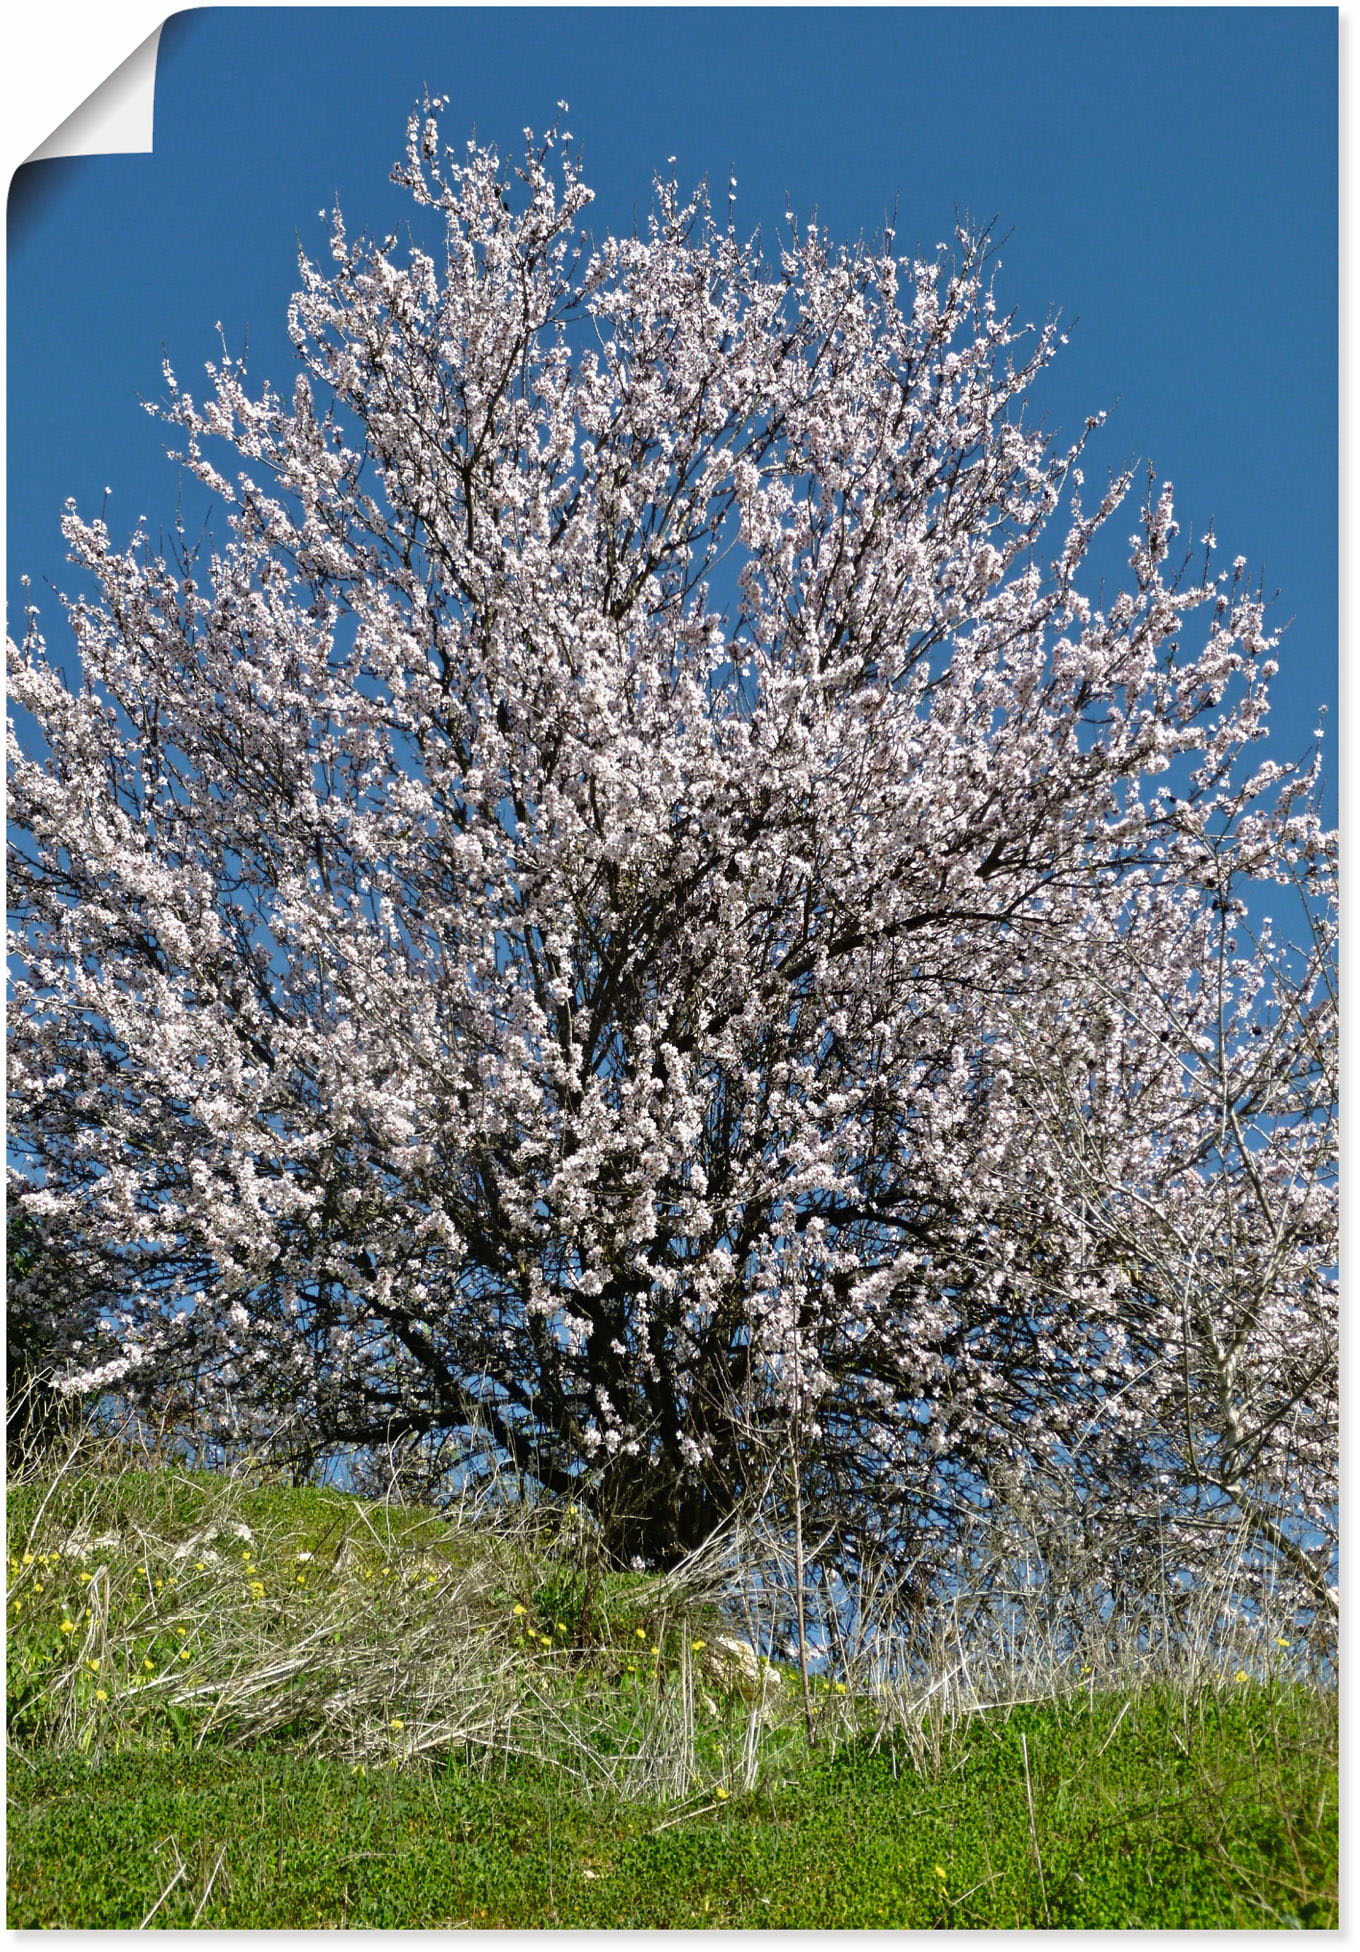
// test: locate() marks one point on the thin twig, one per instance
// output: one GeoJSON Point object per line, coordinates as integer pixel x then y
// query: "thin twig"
{"type": "Point", "coordinates": [212, 1879]}
{"type": "Point", "coordinates": [179, 1873]}
{"type": "Point", "coordinates": [1115, 1730]}
{"type": "Point", "coordinates": [1034, 1830]}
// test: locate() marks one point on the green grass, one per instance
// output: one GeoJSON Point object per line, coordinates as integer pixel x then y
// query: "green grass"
{"type": "Point", "coordinates": [423, 1724]}
{"type": "Point", "coordinates": [1187, 1814]}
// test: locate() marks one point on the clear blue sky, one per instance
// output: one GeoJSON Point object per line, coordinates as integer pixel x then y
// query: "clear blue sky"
{"type": "Point", "coordinates": [1166, 178]}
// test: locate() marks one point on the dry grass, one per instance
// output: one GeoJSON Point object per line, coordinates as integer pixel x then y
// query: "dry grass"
{"type": "Point", "coordinates": [162, 1603]}
{"type": "Point", "coordinates": [152, 1604]}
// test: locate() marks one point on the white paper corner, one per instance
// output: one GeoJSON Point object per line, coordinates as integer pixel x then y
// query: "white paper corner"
{"type": "Point", "coordinates": [118, 118]}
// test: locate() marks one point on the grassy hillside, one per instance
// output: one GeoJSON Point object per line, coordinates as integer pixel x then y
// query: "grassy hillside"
{"type": "Point", "coordinates": [248, 1706]}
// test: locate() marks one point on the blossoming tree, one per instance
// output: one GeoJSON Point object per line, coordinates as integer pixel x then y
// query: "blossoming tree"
{"type": "Point", "coordinates": [643, 894]}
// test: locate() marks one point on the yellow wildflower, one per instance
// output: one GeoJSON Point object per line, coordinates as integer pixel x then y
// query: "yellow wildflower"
{"type": "Point", "coordinates": [101, 1694]}
{"type": "Point", "coordinates": [396, 1722]}
{"type": "Point", "coordinates": [68, 1626]}
{"type": "Point", "coordinates": [720, 1793]}
{"type": "Point", "coordinates": [641, 1632]}
{"type": "Point", "coordinates": [184, 1653]}
{"type": "Point", "coordinates": [93, 1666]}
{"type": "Point", "coordinates": [148, 1664]}
{"type": "Point", "coordinates": [519, 1611]}
{"type": "Point", "coordinates": [697, 1646]}
{"type": "Point", "coordinates": [941, 1872]}
{"type": "Point", "coordinates": [85, 1578]}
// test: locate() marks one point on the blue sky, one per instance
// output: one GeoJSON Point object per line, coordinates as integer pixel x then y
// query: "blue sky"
{"type": "Point", "coordinates": [1166, 178]}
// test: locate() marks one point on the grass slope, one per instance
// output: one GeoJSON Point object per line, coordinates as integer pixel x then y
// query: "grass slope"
{"type": "Point", "coordinates": [365, 1716]}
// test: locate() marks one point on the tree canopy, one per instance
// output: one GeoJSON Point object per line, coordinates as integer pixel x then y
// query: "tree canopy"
{"type": "Point", "coordinates": [650, 900]}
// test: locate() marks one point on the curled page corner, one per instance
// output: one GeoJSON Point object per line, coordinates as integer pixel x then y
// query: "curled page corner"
{"type": "Point", "coordinates": [117, 118]}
